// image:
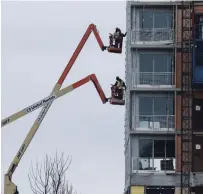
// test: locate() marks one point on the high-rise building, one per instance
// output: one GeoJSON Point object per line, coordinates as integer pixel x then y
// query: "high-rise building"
{"type": "Point", "coordinates": [164, 98]}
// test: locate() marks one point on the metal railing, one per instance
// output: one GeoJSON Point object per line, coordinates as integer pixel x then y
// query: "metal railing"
{"type": "Point", "coordinates": [152, 35]}
{"type": "Point", "coordinates": [153, 79]}
{"type": "Point", "coordinates": [155, 122]}
{"type": "Point", "coordinates": [155, 165]}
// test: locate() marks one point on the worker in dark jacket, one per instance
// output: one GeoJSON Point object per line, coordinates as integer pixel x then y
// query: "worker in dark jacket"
{"type": "Point", "coordinates": [118, 31]}
{"type": "Point", "coordinates": [118, 37]}
{"type": "Point", "coordinates": [119, 85]}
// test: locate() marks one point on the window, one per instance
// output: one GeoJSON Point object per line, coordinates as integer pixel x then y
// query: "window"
{"type": "Point", "coordinates": [145, 148]}
{"type": "Point", "coordinates": [199, 47]}
{"type": "Point", "coordinates": [155, 62]}
{"type": "Point", "coordinates": [170, 148]}
{"type": "Point", "coordinates": [146, 62]}
{"type": "Point", "coordinates": [152, 18]}
{"type": "Point", "coordinates": [156, 68]}
{"type": "Point", "coordinates": [163, 106]}
{"type": "Point", "coordinates": [162, 19]}
{"type": "Point", "coordinates": [164, 148]}
{"type": "Point", "coordinates": [156, 154]}
{"type": "Point", "coordinates": [199, 53]}
{"type": "Point", "coordinates": [159, 148]}
{"type": "Point", "coordinates": [162, 63]}
{"type": "Point", "coordinates": [199, 60]}
{"type": "Point", "coordinates": [150, 105]}
{"type": "Point", "coordinates": [146, 19]}
{"type": "Point", "coordinates": [146, 106]}
{"type": "Point", "coordinates": [199, 26]}
{"type": "Point", "coordinates": [149, 148]}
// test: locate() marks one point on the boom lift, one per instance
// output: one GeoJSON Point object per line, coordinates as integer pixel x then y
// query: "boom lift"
{"type": "Point", "coordinates": [114, 100]}
{"type": "Point", "coordinates": [9, 186]}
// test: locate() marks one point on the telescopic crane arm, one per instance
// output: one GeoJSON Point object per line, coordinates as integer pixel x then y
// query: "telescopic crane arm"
{"type": "Point", "coordinates": [53, 97]}
{"type": "Point", "coordinates": [12, 188]}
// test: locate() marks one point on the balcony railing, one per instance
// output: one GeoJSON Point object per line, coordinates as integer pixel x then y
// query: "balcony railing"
{"type": "Point", "coordinates": [155, 122]}
{"type": "Point", "coordinates": [153, 165]}
{"type": "Point", "coordinates": [152, 35]}
{"type": "Point", "coordinates": [159, 79]}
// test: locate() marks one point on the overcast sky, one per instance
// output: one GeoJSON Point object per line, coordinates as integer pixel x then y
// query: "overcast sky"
{"type": "Point", "coordinates": [38, 39]}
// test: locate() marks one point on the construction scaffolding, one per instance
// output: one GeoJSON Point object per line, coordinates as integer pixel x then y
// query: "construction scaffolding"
{"type": "Point", "coordinates": [187, 8]}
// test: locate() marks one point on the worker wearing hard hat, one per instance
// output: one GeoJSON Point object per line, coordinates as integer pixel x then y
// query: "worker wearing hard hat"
{"type": "Point", "coordinates": [118, 36]}
{"type": "Point", "coordinates": [119, 85]}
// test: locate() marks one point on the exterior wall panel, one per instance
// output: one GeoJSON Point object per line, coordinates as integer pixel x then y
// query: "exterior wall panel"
{"type": "Point", "coordinates": [198, 9]}
{"type": "Point", "coordinates": [178, 153]}
{"type": "Point", "coordinates": [197, 165]}
{"type": "Point", "coordinates": [198, 50]}
{"type": "Point", "coordinates": [178, 112]}
{"type": "Point", "coordinates": [197, 115]}
{"type": "Point", "coordinates": [197, 95]}
{"type": "Point", "coordinates": [178, 24]}
{"type": "Point", "coordinates": [178, 70]}
{"type": "Point", "coordinates": [198, 190]}
{"type": "Point", "coordinates": [196, 122]}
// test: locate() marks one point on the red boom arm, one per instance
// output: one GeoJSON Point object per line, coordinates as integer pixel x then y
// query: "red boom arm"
{"type": "Point", "coordinates": [91, 28]}
{"type": "Point", "coordinates": [95, 81]}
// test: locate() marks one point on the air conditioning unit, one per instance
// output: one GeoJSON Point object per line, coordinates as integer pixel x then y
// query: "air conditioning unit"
{"type": "Point", "coordinates": [154, 125]}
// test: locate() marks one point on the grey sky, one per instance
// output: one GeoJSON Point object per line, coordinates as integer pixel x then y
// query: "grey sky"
{"type": "Point", "coordinates": [38, 39]}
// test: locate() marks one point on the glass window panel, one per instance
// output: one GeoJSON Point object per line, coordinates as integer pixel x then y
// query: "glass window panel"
{"type": "Point", "coordinates": [133, 16]}
{"type": "Point", "coordinates": [162, 19]}
{"type": "Point", "coordinates": [161, 63]}
{"type": "Point", "coordinates": [170, 149]}
{"type": "Point", "coordinates": [146, 19]}
{"type": "Point", "coordinates": [199, 60]}
{"type": "Point", "coordinates": [171, 105]}
{"type": "Point", "coordinates": [146, 106]}
{"type": "Point", "coordinates": [146, 62]}
{"type": "Point", "coordinates": [199, 47]}
{"type": "Point", "coordinates": [145, 148]}
{"type": "Point", "coordinates": [199, 26]}
{"type": "Point", "coordinates": [160, 106]}
{"type": "Point", "coordinates": [169, 63]}
{"type": "Point", "coordinates": [159, 148]}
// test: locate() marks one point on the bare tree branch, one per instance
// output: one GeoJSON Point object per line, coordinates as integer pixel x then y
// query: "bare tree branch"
{"type": "Point", "coordinates": [49, 177]}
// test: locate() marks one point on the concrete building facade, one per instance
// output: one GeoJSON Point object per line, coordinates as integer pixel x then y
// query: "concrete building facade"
{"type": "Point", "coordinates": [153, 99]}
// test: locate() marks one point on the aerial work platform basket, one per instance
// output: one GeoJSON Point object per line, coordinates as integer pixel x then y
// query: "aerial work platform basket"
{"type": "Point", "coordinates": [117, 96]}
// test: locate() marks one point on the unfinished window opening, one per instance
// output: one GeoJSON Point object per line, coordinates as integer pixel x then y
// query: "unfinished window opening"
{"type": "Point", "coordinates": [155, 113]}
{"type": "Point", "coordinates": [156, 155]}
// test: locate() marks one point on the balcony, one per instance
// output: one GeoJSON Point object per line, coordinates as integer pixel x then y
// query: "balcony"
{"type": "Point", "coordinates": [152, 36]}
{"type": "Point", "coordinates": [153, 165]}
{"type": "Point", "coordinates": [154, 123]}
{"type": "Point", "coordinates": [153, 79]}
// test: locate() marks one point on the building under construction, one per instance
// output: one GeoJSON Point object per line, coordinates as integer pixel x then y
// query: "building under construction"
{"type": "Point", "coordinates": [164, 98]}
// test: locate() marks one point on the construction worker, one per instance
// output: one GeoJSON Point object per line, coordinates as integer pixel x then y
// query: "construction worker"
{"type": "Point", "coordinates": [118, 37]}
{"type": "Point", "coordinates": [119, 85]}
{"type": "Point", "coordinates": [119, 33]}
